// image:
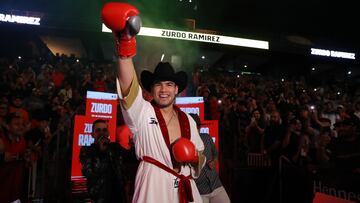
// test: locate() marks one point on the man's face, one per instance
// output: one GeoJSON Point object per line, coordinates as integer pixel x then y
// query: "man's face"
{"type": "Point", "coordinates": [275, 118]}
{"type": "Point", "coordinates": [36, 92]}
{"type": "Point", "coordinates": [17, 102]}
{"type": "Point", "coordinates": [164, 93]}
{"type": "Point", "coordinates": [100, 131]}
{"type": "Point", "coordinates": [256, 115]}
{"type": "Point", "coordinates": [43, 124]}
{"type": "Point", "coordinates": [16, 126]}
{"type": "Point", "coordinates": [297, 125]}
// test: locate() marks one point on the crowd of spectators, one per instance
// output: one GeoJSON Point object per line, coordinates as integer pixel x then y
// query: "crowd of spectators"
{"type": "Point", "coordinates": [45, 92]}
{"type": "Point", "coordinates": [264, 120]}
{"type": "Point", "coordinates": [311, 127]}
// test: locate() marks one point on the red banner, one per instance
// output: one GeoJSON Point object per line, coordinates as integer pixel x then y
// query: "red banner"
{"type": "Point", "coordinates": [321, 197]}
{"type": "Point", "coordinates": [81, 137]}
{"type": "Point", "coordinates": [103, 106]}
{"type": "Point", "coordinates": [191, 105]}
{"type": "Point", "coordinates": [196, 105]}
{"type": "Point", "coordinates": [99, 105]}
{"type": "Point", "coordinates": [212, 128]}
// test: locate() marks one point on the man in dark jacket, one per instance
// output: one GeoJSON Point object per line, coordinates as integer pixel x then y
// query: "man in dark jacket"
{"type": "Point", "coordinates": [102, 166]}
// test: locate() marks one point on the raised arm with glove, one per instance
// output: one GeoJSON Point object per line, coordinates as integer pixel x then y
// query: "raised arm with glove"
{"type": "Point", "coordinates": [123, 20]}
{"type": "Point", "coordinates": [153, 135]}
{"type": "Point", "coordinates": [125, 23]}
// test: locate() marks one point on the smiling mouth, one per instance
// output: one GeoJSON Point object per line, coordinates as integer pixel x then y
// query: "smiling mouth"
{"type": "Point", "coordinates": [164, 96]}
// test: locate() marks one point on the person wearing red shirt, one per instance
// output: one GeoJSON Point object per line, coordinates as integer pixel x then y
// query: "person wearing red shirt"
{"type": "Point", "coordinates": [99, 84]}
{"type": "Point", "coordinates": [57, 77]}
{"type": "Point", "coordinates": [17, 108]}
{"type": "Point", "coordinates": [13, 158]}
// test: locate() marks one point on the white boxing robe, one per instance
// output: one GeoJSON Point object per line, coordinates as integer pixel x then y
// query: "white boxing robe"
{"type": "Point", "coordinates": [153, 184]}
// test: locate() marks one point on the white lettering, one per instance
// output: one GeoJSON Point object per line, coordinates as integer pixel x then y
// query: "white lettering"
{"type": "Point", "coordinates": [192, 36]}
{"type": "Point", "coordinates": [81, 140]}
{"type": "Point", "coordinates": [20, 19]}
{"type": "Point", "coordinates": [8, 18]}
{"type": "Point", "coordinates": [325, 190]}
{"type": "Point", "coordinates": [340, 54]}
{"type": "Point", "coordinates": [205, 130]}
{"type": "Point", "coordinates": [330, 53]}
{"type": "Point", "coordinates": [101, 116]}
{"type": "Point", "coordinates": [339, 193]}
{"type": "Point", "coordinates": [191, 110]}
{"type": "Point", "coordinates": [320, 52]}
{"type": "Point", "coordinates": [332, 191]}
{"type": "Point", "coordinates": [88, 128]}
{"type": "Point", "coordinates": [92, 107]}
{"type": "Point", "coordinates": [16, 19]}
{"type": "Point", "coordinates": [316, 187]}
{"type": "Point", "coordinates": [101, 108]}
{"type": "Point", "coordinates": [351, 196]}
{"type": "Point", "coordinates": [35, 21]}
{"type": "Point", "coordinates": [173, 34]}
{"type": "Point", "coordinates": [85, 140]}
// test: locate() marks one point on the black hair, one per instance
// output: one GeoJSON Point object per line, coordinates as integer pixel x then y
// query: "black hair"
{"type": "Point", "coordinates": [259, 110]}
{"type": "Point", "coordinates": [98, 121]}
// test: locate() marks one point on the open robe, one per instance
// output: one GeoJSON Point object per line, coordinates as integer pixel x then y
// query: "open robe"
{"type": "Point", "coordinates": [153, 184]}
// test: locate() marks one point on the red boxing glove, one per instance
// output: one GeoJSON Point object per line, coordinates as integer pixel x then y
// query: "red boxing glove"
{"type": "Point", "coordinates": [184, 151]}
{"type": "Point", "coordinates": [123, 20]}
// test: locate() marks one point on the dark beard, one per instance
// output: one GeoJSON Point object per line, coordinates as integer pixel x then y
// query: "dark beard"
{"type": "Point", "coordinates": [163, 106]}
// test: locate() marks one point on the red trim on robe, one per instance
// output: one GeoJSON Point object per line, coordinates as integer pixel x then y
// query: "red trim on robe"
{"type": "Point", "coordinates": [185, 192]}
{"type": "Point", "coordinates": [183, 120]}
